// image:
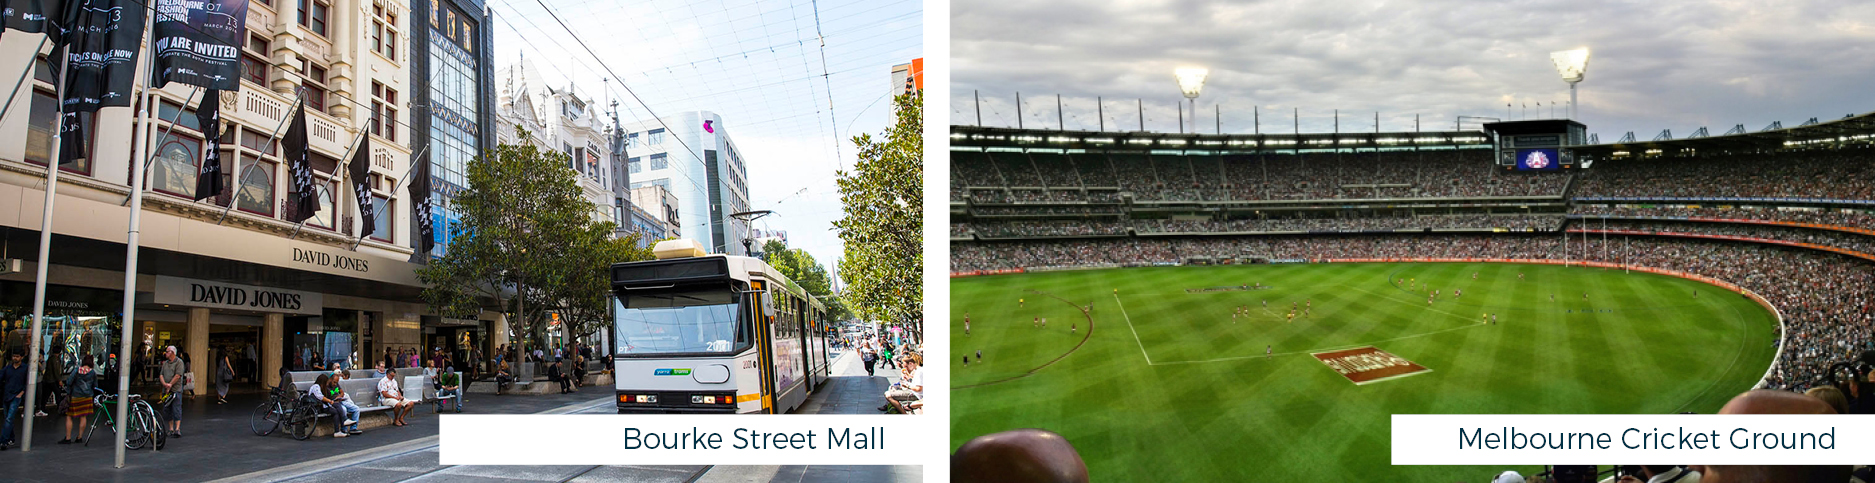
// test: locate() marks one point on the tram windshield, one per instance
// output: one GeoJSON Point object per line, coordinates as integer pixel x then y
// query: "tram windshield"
{"type": "Point", "coordinates": [681, 321]}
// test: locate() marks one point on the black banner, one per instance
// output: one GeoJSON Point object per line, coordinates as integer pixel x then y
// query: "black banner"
{"type": "Point", "coordinates": [208, 181]}
{"type": "Point", "coordinates": [360, 173]}
{"type": "Point", "coordinates": [101, 48]}
{"type": "Point", "coordinates": [305, 194]}
{"type": "Point", "coordinates": [31, 16]}
{"type": "Point", "coordinates": [198, 42]}
{"type": "Point", "coordinates": [420, 193]}
{"type": "Point", "coordinates": [74, 137]}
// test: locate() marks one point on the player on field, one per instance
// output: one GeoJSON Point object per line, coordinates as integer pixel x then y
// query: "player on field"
{"type": "Point", "coordinates": [1484, 318]}
{"type": "Point", "coordinates": [1266, 303]}
{"type": "Point", "coordinates": [979, 355]}
{"type": "Point", "coordinates": [1456, 293]}
{"type": "Point", "coordinates": [1474, 275]}
{"type": "Point", "coordinates": [1022, 303]}
{"type": "Point", "coordinates": [1044, 322]}
{"type": "Point", "coordinates": [1308, 303]}
{"type": "Point", "coordinates": [1493, 319]}
{"type": "Point", "coordinates": [1695, 293]}
{"type": "Point", "coordinates": [1267, 350]}
{"type": "Point", "coordinates": [1071, 327]}
{"type": "Point", "coordinates": [1292, 316]}
{"type": "Point", "coordinates": [1037, 323]}
{"type": "Point", "coordinates": [1585, 295]}
{"type": "Point", "coordinates": [1520, 275]}
{"type": "Point", "coordinates": [1552, 296]}
{"type": "Point", "coordinates": [966, 323]}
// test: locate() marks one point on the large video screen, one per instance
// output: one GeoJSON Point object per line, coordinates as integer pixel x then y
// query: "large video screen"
{"type": "Point", "coordinates": [1540, 159]}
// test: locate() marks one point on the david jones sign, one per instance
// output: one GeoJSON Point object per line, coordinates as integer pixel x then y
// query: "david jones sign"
{"type": "Point", "coordinates": [324, 259]}
{"type": "Point", "coordinates": [203, 293]}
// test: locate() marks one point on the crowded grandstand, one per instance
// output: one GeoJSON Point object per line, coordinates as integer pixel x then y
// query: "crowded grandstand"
{"type": "Point", "coordinates": [1785, 214]}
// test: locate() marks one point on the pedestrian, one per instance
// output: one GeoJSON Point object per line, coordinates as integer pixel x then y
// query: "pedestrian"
{"type": "Point", "coordinates": [225, 376]}
{"type": "Point", "coordinates": [79, 386]}
{"type": "Point", "coordinates": [558, 374]}
{"type": "Point", "coordinates": [12, 395]}
{"type": "Point", "coordinates": [868, 357]}
{"type": "Point", "coordinates": [885, 356]}
{"type": "Point", "coordinates": [171, 375]}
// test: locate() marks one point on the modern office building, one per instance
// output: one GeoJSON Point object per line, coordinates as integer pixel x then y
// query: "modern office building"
{"type": "Point", "coordinates": [227, 274]}
{"type": "Point", "coordinates": [908, 77]}
{"type": "Point", "coordinates": [692, 156]}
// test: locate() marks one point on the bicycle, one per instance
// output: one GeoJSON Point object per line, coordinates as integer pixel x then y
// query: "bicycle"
{"type": "Point", "coordinates": [282, 408]}
{"type": "Point", "coordinates": [143, 428]}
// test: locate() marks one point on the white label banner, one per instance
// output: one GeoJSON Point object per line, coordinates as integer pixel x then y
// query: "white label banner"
{"type": "Point", "coordinates": [619, 439]}
{"type": "Point", "coordinates": [1632, 439]}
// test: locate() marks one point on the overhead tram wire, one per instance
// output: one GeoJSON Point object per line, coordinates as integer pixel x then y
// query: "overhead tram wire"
{"type": "Point", "coordinates": [824, 80]}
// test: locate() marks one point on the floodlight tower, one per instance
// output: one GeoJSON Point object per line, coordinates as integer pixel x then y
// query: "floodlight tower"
{"type": "Point", "coordinates": [1572, 64]}
{"type": "Point", "coordinates": [1190, 81]}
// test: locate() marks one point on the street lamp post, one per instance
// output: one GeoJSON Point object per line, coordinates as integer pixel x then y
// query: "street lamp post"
{"type": "Point", "coordinates": [1571, 64]}
{"type": "Point", "coordinates": [1190, 81]}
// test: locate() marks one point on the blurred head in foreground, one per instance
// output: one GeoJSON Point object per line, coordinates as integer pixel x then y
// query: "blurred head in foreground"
{"type": "Point", "coordinates": [1774, 402]}
{"type": "Point", "coordinates": [1023, 455]}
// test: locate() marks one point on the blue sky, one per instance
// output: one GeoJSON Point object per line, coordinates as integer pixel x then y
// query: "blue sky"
{"type": "Point", "coordinates": [758, 64]}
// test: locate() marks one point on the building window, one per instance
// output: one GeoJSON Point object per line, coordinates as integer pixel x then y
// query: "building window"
{"type": "Point", "coordinates": [654, 137]}
{"type": "Point", "coordinates": [313, 14]}
{"type": "Point", "coordinates": [315, 84]}
{"type": "Point", "coordinates": [322, 189]}
{"type": "Point", "coordinates": [178, 160]}
{"type": "Point", "coordinates": [383, 111]}
{"type": "Point", "coordinates": [382, 206]}
{"type": "Point", "coordinates": [660, 161]}
{"type": "Point", "coordinates": [254, 194]}
{"type": "Point", "coordinates": [254, 64]}
{"type": "Point", "coordinates": [631, 139]}
{"type": "Point", "coordinates": [384, 31]}
{"type": "Point", "coordinates": [633, 165]}
{"type": "Point", "coordinates": [258, 142]}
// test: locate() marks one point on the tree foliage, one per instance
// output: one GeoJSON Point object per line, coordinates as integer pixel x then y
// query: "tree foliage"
{"type": "Point", "coordinates": [883, 226]}
{"type": "Point", "coordinates": [800, 266]}
{"type": "Point", "coordinates": [527, 241]}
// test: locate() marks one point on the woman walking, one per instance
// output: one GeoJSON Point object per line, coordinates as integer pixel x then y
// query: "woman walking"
{"type": "Point", "coordinates": [868, 356]}
{"type": "Point", "coordinates": [224, 376]}
{"type": "Point", "coordinates": [81, 385]}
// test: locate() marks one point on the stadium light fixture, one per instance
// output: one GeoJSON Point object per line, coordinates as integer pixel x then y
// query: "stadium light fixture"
{"type": "Point", "coordinates": [1190, 82]}
{"type": "Point", "coordinates": [1572, 65]}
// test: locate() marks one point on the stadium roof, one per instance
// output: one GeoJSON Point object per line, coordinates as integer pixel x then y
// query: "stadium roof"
{"type": "Point", "coordinates": [1853, 129]}
{"type": "Point", "coordinates": [973, 137]}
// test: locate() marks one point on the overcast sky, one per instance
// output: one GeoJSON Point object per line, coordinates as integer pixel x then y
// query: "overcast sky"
{"type": "Point", "coordinates": [791, 105]}
{"type": "Point", "coordinates": [1655, 65]}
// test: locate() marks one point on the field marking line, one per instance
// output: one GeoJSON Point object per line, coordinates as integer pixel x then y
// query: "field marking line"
{"type": "Point", "coordinates": [1129, 328]}
{"type": "Point", "coordinates": [1389, 378]}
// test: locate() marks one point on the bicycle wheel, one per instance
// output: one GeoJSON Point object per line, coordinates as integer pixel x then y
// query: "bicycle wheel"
{"type": "Point", "coordinates": [301, 425]}
{"type": "Point", "coordinates": [162, 427]}
{"type": "Point", "coordinates": [138, 431]}
{"type": "Point", "coordinates": [266, 418]}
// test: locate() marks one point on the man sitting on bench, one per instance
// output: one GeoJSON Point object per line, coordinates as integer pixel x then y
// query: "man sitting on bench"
{"type": "Point", "coordinates": [448, 387]}
{"type": "Point", "coordinates": [502, 377]}
{"type": "Point", "coordinates": [390, 395]}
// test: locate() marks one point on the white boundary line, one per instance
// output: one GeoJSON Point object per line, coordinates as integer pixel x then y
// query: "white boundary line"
{"type": "Point", "coordinates": [1129, 327]}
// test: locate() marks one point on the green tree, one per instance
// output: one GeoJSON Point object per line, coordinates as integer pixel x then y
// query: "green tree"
{"type": "Point", "coordinates": [526, 245]}
{"type": "Point", "coordinates": [800, 266]}
{"type": "Point", "coordinates": [883, 229]}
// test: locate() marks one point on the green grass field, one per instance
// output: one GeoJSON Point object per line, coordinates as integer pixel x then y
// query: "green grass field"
{"type": "Point", "coordinates": [1210, 406]}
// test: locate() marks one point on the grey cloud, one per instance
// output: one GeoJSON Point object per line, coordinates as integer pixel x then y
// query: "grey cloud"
{"type": "Point", "coordinates": [1656, 65]}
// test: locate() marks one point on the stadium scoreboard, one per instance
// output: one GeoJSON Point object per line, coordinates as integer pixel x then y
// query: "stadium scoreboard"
{"type": "Point", "coordinates": [1541, 145]}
